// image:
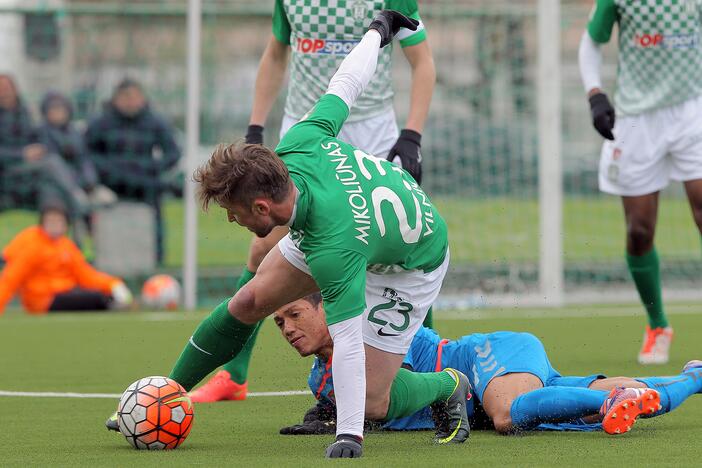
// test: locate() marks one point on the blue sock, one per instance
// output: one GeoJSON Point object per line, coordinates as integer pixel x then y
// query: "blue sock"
{"type": "Point", "coordinates": [555, 404]}
{"type": "Point", "coordinates": [675, 389]}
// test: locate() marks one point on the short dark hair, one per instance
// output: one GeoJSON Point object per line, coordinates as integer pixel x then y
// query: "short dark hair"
{"type": "Point", "coordinates": [240, 173]}
{"type": "Point", "coordinates": [314, 299]}
{"type": "Point", "coordinates": [53, 206]}
{"type": "Point", "coordinates": [125, 84]}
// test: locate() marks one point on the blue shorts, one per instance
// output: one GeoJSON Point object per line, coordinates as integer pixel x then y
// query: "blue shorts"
{"type": "Point", "coordinates": [495, 354]}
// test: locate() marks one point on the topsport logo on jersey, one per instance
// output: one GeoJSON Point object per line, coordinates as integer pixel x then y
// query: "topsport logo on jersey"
{"type": "Point", "coordinates": [308, 45]}
{"type": "Point", "coordinates": [666, 41]}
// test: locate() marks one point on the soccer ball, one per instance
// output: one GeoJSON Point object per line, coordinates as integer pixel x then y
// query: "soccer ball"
{"type": "Point", "coordinates": [155, 413]}
{"type": "Point", "coordinates": [161, 292]}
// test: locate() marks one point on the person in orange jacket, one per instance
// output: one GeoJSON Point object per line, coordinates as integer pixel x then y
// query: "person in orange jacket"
{"type": "Point", "coordinates": [51, 274]}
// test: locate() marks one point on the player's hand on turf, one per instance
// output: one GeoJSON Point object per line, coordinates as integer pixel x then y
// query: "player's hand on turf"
{"type": "Point", "coordinates": [320, 419]}
{"type": "Point", "coordinates": [389, 22]}
{"type": "Point", "coordinates": [310, 428]}
{"type": "Point", "coordinates": [602, 115]}
{"type": "Point", "coordinates": [254, 135]}
{"type": "Point", "coordinates": [346, 446]}
{"type": "Point", "coordinates": [406, 153]}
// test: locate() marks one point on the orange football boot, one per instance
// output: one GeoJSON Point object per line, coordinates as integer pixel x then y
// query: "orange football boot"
{"type": "Point", "coordinates": [220, 387]}
{"type": "Point", "coordinates": [624, 405]}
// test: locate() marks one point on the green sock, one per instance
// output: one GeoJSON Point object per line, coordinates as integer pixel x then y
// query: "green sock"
{"type": "Point", "coordinates": [239, 366]}
{"type": "Point", "coordinates": [217, 340]}
{"type": "Point", "coordinates": [429, 319]}
{"type": "Point", "coordinates": [645, 271]}
{"type": "Point", "coordinates": [412, 391]}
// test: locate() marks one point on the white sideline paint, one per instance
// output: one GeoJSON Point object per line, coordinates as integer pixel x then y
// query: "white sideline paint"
{"type": "Point", "coordinates": [4, 393]}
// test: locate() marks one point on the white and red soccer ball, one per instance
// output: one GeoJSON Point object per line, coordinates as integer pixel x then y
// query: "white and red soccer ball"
{"type": "Point", "coordinates": [161, 292]}
{"type": "Point", "coordinates": [155, 413]}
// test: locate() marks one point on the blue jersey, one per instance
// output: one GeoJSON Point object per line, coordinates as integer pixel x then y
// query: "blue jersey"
{"type": "Point", "coordinates": [481, 357]}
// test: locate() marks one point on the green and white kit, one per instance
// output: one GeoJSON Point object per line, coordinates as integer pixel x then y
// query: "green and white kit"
{"type": "Point", "coordinates": [660, 51]}
{"type": "Point", "coordinates": [658, 99]}
{"type": "Point", "coordinates": [321, 33]}
{"type": "Point", "coordinates": [362, 228]}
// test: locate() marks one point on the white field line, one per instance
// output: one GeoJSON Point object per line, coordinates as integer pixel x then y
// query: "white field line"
{"type": "Point", "coordinates": [5, 393]}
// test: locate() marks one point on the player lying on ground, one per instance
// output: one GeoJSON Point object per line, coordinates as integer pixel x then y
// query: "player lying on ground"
{"type": "Point", "coordinates": [657, 135]}
{"type": "Point", "coordinates": [316, 40]}
{"type": "Point", "coordinates": [515, 388]}
{"type": "Point", "coordinates": [362, 231]}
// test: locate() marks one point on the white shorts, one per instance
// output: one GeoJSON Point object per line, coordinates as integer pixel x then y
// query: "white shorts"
{"type": "Point", "coordinates": [374, 135]}
{"type": "Point", "coordinates": [396, 303]}
{"type": "Point", "coordinates": [653, 148]}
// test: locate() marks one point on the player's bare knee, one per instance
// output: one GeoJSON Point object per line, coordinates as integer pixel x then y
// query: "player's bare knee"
{"type": "Point", "coordinates": [503, 424]}
{"type": "Point", "coordinates": [640, 237]}
{"type": "Point", "coordinates": [377, 407]}
{"type": "Point", "coordinates": [243, 306]}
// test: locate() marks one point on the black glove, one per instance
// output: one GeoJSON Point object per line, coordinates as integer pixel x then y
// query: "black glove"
{"type": "Point", "coordinates": [310, 428]}
{"type": "Point", "coordinates": [320, 419]}
{"type": "Point", "coordinates": [389, 22]}
{"type": "Point", "coordinates": [346, 446]}
{"type": "Point", "coordinates": [407, 149]}
{"type": "Point", "coordinates": [602, 115]}
{"type": "Point", "coordinates": [254, 135]}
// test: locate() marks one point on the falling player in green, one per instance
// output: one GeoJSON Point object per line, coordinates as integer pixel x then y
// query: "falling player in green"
{"type": "Point", "coordinates": [658, 132]}
{"type": "Point", "coordinates": [362, 232]}
{"type": "Point", "coordinates": [312, 37]}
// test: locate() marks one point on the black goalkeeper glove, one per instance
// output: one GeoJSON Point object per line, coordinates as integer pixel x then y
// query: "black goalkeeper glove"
{"type": "Point", "coordinates": [320, 419]}
{"type": "Point", "coordinates": [602, 115]}
{"type": "Point", "coordinates": [254, 135]}
{"type": "Point", "coordinates": [407, 149]}
{"type": "Point", "coordinates": [389, 22]}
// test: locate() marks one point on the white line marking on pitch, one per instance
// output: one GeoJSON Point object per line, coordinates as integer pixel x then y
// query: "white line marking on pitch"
{"type": "Point", "coordinates": [118, 395]}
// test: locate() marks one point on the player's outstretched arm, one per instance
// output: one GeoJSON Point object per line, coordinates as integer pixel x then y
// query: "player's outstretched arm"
{"type": "Point", "coordinates": [357, 69]}
{"type": "Point", "coordinates": [590, 60]}
{"type": "Point", "coordinates": [269, 81]}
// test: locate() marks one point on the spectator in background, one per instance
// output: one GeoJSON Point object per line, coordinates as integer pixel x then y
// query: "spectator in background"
{"type": "Point", "coordinates": [132, 148]}
{"type": "Point", "coordinates": [50, 272]}
{"type": "Point", "coordinates": [58, 136]}
{"type": "Point", "coordinates": [27, 171]}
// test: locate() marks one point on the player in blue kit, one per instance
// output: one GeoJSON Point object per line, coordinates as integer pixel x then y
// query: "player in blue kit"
{"type": "Point", "coordinates": [515, 387]}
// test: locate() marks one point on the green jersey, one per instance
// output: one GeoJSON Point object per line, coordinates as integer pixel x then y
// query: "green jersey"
{"type": "Point", "coordinates": [355, 212]}
{"type": "Point", "coordinates": [660, 50]}
{"type": "Point", "coordinates": [321, 33]}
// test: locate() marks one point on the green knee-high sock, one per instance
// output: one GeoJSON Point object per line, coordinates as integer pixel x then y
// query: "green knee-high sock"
{"type": "Point", "coordinates": [217, 340]}
{"type": "Point", "coordinates": [429, 319]}
{"type": "Point", "coordinates": [645, 271]}
{"type": "Point", "coordinates": [412, 391]}
{"type": "Point", "coordinates": [238, 367]}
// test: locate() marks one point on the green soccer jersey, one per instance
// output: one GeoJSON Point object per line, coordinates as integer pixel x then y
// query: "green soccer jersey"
{"type": "Point", "coordinates": [355, 212]}
{"type": "Point", "coordinates": [321, 33]}
{"type": "Point", "coordinates": [660, 50]}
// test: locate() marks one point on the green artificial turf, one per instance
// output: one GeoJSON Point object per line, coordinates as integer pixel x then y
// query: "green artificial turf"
{"type": "Point", "coordinates": [106, 352]}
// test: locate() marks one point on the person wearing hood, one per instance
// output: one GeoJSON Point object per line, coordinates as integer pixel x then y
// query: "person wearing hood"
{"type": "Point", "coordinates": [29, 173]}
{"type": "Point", "coordinates": [50, 273]}
{"type": "Point", "coordinates": [60, 137]}
{"type": "Point", "coordinates": [132, 147]}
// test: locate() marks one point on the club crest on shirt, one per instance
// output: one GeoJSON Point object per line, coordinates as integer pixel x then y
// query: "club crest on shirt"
{"type": "Point", "coordinates": [360, 11]}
